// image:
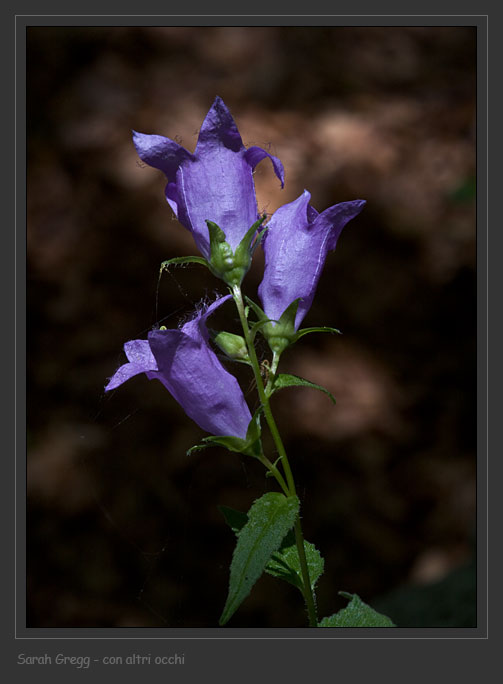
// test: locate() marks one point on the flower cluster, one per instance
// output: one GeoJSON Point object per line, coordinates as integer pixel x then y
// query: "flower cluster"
{"type": "Point", "coordinates": [212, 193]}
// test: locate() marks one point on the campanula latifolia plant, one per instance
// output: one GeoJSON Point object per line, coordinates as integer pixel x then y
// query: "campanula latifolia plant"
{"type": "Point", "coordinates": [212, 193]}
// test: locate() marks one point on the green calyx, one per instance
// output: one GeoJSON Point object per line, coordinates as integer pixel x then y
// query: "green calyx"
{"type": "Point", "coordinates": [279, 334]}
{"type": "Point", "coordinates": [282, 333]}
{"type": "Point", "coordinates": [231, 266]}
{"type": "Point", "coordinates": [250, 446]}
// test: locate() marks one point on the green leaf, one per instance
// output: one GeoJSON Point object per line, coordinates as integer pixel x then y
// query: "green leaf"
{"type": "Point", "coordinates": [269, 520]}
{"type": "Point", "coordinates": [286, 380]}
{"type": "Point", "coordinates": [228, 441]}
{"type": "Point", "coordinates": [284, 563]}
{"type": "Point", "coordinates": [356, 614]}
{"type": "Point", "coordinates": [324, 329]}
{"type": "Point", "coordinates": [179, 261]}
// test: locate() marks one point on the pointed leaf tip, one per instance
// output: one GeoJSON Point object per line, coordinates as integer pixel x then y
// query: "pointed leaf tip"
{"type": "Point", "coordinates": [287, 380]}
{"type": "Point", "coordinates": [269, 520]}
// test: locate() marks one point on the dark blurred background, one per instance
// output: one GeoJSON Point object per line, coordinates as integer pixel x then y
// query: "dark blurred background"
{"type": "Point", "coordinates": [123, 527]}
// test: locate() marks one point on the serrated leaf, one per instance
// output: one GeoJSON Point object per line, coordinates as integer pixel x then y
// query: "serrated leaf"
{"type": "Point", "coordinates": [284, 563]}
{"type": "Point", "coordinates": [356, 614]}
{"type": "Point", "coordinates": [269, 520]}
{"type": "Point", "coordinates": [286, 380]}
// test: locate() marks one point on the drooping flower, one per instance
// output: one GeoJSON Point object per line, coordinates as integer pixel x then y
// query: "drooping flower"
{"type": "Point", "coordinates": [296, 244]}
{"type": "Point", "coordinates": [186, 365]}
{"type": "Point", "coordinates": [214, 183]}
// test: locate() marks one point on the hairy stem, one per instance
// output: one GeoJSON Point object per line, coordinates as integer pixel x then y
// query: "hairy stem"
{"type": "Point", "coordinates": [290, 489]}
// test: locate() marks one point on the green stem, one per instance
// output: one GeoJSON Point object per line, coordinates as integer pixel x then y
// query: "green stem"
{"type": "Point", "coordinates": [272, 373]}
{"type": "Point", "coordinates": [289, 489]}
{"type": "Point", "coordinates": [275, 472]}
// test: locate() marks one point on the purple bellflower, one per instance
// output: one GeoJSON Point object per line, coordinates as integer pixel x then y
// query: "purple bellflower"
{"type": "Point", "coordinates": [296, 244]}
{"type": "Point", "coordinates": [186, 365]}
{"type": "Point", "coordinates": [213, 184]}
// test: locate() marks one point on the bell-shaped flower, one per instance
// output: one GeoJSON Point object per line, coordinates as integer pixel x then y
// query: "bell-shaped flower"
{"type": "Point", "coordinates": [187, 366]}
{"type": "Point", "coordinates": [296, 244]}
{"type": "Point", "coordinates": [215, 183]}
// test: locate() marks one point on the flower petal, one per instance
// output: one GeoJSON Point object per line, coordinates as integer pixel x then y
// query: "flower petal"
{"type": "Point", "coordinates": [171, 193]}
{"type": "Point", "coordinates": [218, 186]}
{"type": "Point", "coordinates": [140, 360]}
{"type": "Point", "coordinates": [254, 155]}
{"type": "Point", "coordinates": [286, 246]}
{"type": "Point", "coordinates": [219, 128]}
{"type": "Point", "coordinates": [161, 153]}
{"type": "Point", "coordinates": [297, 242]}
{"type": "Point", "coordinates": [138, 351]}
{"type": "Point", "coordinates": [191, 371]}
{"type": "Point", "coordinates": [335, 218]}
{"type": "Point", "coordinates": [196, 327]}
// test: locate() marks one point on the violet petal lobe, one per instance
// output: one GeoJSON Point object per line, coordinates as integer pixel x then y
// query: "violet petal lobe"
{"type": "Point", "coordinates": [296, 245]}
{"type": "Point", "coordinates": [219, 128]}
{"type": "Point", "coordinates": [254, 155]}
{"type": "Point", "coordinates": [161, 153]}
{"type": "Point", "coordinates": [140, 360]}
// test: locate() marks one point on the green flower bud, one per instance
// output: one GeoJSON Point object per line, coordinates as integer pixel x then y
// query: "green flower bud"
{"type": "Point", "coordinates": [233, 346]}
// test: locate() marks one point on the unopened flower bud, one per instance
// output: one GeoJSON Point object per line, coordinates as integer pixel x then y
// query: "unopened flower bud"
{"type": "Point", "coordinates": [233, 346]}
